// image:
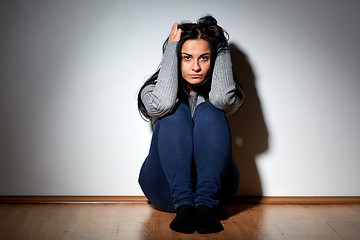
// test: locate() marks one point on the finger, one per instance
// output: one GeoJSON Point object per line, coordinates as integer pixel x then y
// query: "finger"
{"type": "Point", "coordinates": [178, 33]}
{"type": "Point", "coordinates": [175, 33]}
{"type": "Point", "coordinates": [174, 28]}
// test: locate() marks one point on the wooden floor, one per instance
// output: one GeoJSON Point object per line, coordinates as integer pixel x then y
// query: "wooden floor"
{"type": "Point", "coordinates": [140, 221]}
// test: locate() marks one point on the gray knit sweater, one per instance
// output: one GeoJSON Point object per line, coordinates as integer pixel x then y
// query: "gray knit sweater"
{"type": "Point", "coordinates": [160, 98]}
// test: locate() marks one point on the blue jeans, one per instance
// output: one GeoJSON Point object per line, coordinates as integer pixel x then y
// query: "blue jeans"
{"type": "Point", "coordinates": [190, 160]}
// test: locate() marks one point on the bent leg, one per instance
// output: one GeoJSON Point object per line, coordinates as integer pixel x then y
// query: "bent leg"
{"type": "Point", "coordinates": [212, 152]}
{"type": "Point", "coordinates": [166, 174]}
{"type": "Point", "coordinates": [176, 154]}
{"type": "Point", "coordinates": [152, 178]}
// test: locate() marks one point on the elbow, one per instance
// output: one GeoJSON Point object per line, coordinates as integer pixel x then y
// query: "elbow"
{"type": "Point", "coordinates": [157, 107]}
{"type": "Point", "coordinates": [160, 109]}
{"type": "Point", "coordinates": [229, 104]}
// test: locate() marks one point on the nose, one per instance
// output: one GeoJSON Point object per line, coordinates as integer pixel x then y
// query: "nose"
{"type": "Point", "coordinates": [196, 67]}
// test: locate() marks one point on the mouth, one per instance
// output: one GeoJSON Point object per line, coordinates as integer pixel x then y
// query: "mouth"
{"type": "Point", "coordinates": [195, 75]}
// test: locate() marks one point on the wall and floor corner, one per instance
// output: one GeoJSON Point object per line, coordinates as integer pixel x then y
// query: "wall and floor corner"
{"type": "Point", "coordinates": [70, 72]}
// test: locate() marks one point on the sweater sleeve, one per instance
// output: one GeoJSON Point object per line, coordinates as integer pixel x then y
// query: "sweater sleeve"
{"type": "Point", "coordinates": [160, 98]}
{"type": "Point", "coordinates": [223, 87]}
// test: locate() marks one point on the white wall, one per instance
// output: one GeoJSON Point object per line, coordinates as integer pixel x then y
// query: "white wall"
{"type": "Point", "coordinates": [70, 72]}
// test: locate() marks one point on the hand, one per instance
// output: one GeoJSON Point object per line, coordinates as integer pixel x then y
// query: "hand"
{"type": "Point", "coordinates": [175, 33]}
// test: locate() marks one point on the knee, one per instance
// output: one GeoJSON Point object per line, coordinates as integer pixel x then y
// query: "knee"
{"type": "Point", "coordinates": [209, 112]}
{"type": "Point", "coordinates": [211, 121]}
{"type": "Point", "coordinates": [180, 116]}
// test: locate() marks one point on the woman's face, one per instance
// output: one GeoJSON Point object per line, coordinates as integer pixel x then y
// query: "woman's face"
{"type": "Point", "coordinates": [195, 60]}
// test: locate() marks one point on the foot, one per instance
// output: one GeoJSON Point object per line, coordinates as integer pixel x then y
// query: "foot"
{"type": "Point", "coordinates": [184, 220]}
{"type": "Point", "coordinates": [206, 220]}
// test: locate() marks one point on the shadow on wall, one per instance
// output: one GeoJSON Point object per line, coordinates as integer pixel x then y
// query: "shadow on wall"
{"type": "Point", "coordinates": [248, 128]}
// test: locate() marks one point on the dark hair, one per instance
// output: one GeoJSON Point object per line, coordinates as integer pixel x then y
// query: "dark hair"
{"type": "Point", "coordinates": [205, 28]}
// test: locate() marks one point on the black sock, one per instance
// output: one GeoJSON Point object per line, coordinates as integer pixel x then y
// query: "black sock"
{"type": "Point", "coordinates": [206, 220]}
{"type": "Point", "coordinates": [184, 220]}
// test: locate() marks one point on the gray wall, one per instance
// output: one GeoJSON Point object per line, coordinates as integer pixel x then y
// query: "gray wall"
{"type": "Point", "coordinates": [70, 72]}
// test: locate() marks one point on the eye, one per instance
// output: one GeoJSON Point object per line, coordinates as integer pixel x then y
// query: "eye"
{"type": "Point", "coordinates": [205, 58]}
{"type": "Point", "coordinates": [186, 58]}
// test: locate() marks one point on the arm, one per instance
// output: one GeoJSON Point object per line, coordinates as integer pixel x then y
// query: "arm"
{"type": "Point", "coordinates": [223, 87]}
{"type": "Point", "coordinates": [160, 98]}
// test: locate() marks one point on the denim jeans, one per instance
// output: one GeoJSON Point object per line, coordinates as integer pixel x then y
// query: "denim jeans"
{"type": "Point", "coordinates": [190, 160]}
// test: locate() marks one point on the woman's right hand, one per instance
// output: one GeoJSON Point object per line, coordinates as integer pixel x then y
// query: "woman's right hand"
{"type": "Point", "coordinates": [175, 33]}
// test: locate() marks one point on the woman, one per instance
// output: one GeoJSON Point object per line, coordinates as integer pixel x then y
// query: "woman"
{"type": "Point", "coordinates": [190, 168]}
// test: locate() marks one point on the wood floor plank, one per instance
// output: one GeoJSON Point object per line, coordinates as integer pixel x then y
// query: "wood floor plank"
{"type": "Point", "coordinates": [250, 222]}
{"type": "Point", "coordinates": [347, 230]}
{"type": "Point", "coordinates": [95, 218]}
{"type": "Point", "coordinates": [34, 222]}
{"type": "Point", "coordinates": [131, 230]}
{"type": "Point", "coordinates": [140, 221]}
{"type": "Point", "coordinates": [302, 222]}
{"type": "Point", "coordinates": [345, 221]}
{"type": "Point", "coordinates": [89, 236]}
